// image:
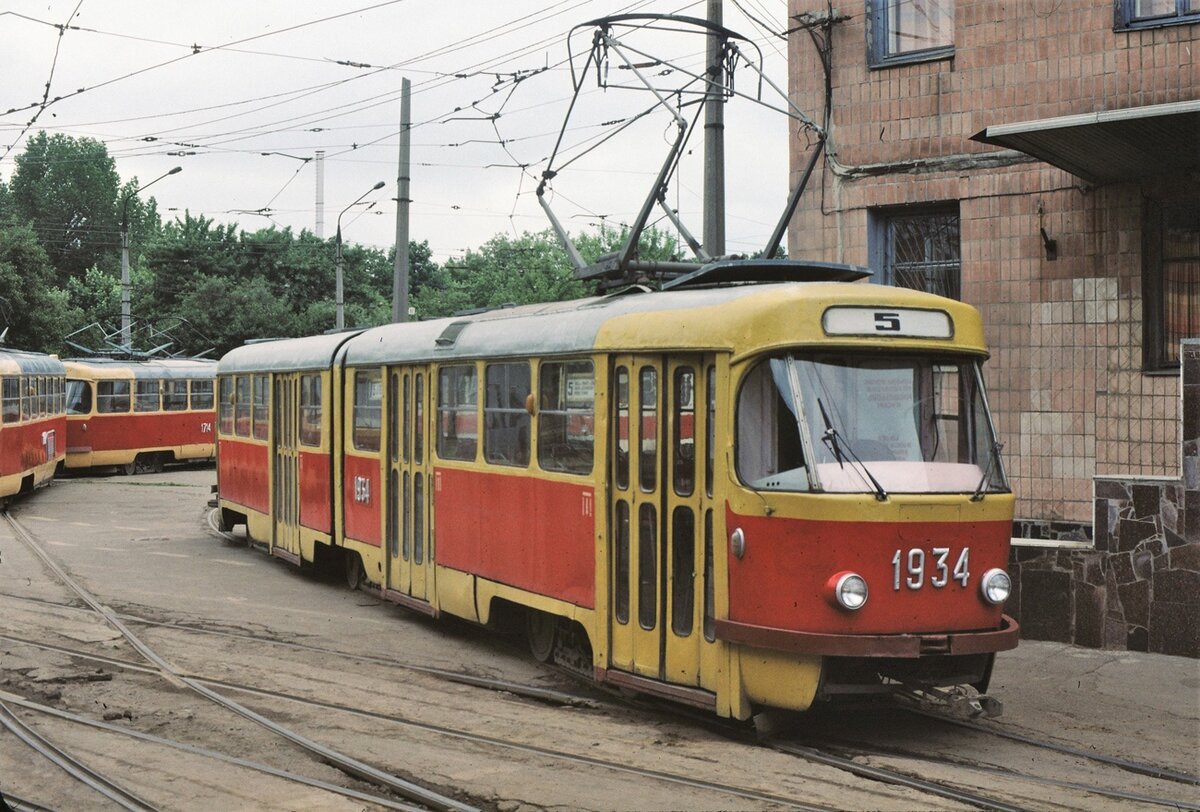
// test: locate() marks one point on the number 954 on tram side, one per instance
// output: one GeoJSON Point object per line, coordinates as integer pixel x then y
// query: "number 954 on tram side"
{"type": "Point", "coordinates": [764, 486]}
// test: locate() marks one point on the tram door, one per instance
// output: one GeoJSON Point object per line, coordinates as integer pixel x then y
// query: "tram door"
{"type": "Point", "coordinates": [285, 465]}
{"type": "Point", "coordinates": [656, 561]}
{"type": "Point", "coordinates": [407, 521]}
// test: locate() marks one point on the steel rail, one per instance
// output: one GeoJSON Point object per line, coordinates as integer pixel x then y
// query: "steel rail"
{"type": "Point", "coordinates": [18, 804]}
{"type": "Point", "coordinates": [559, 755]}
{"type": "Point", "coordinates": [70, 765]}
{"type": "Point", "coordinates": [1002, 772]}
{"type": "Point", "coordinates": [1150, 770]}
{"type": "Point", "coordinates": [893, 777]}
{"type": "Point", "coordinates": [216, 755]}
{"type": "Point", "coordinates": [347, 763]}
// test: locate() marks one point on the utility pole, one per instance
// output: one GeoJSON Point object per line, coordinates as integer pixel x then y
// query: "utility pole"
{"type": "Point", "coordinates": [126, 316]}
{"type": "Point", "coordinates": [320, 167]}
{"type": "Point", "coordinates": [714, 140]}
{"type": "Point", "coordinates": [400, 273]}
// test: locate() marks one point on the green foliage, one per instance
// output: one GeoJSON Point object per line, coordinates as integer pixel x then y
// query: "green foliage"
{"type": "Point", "coordinates": [66, 190]}
{"type": "Point", "coordinates": [34, 311]}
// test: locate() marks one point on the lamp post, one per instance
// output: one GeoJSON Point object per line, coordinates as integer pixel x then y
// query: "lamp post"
{"type": "Point", "coordinates": [340, 322]}
{"type": "Point", "coordinates": [126, 334]}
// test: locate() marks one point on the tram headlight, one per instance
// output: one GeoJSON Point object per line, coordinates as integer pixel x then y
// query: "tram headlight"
{"type": "Point", "coordinates": [848, 590]}
{"type": "Point", "coordinates": [996, 586]}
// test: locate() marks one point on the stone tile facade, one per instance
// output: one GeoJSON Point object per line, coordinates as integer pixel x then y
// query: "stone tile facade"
{"type": "Point", "coordinates": [1093, 441]}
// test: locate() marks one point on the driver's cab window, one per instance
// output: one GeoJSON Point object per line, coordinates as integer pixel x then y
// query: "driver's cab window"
{"type": "Point", "coordinates": [769, 452]}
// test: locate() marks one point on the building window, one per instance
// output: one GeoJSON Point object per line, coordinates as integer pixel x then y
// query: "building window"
{"type": "Point", "coordinates": [918, 248]}
{"type": "Point", "coordinates": [1154, 13]}
{"type": "Point", "coordinates": [1171, 281]}
{"type": "Point", "coordinates": [903, 31]}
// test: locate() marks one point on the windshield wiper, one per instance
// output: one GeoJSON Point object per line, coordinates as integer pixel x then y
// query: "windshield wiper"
{"type": "Point", "coordinates": [987, 472]}
{"type": "Point", "coordinates": [830, 437]}
{"type": "Point", "coordinates": [834, 440]}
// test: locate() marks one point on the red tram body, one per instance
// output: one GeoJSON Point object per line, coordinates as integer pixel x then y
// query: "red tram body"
{"type": "Point", "coordinates": [33, 426]}
{"type": "Point", "coordinates": [747, 496]}
{"type": "Point", "coordinates": [139, 415]}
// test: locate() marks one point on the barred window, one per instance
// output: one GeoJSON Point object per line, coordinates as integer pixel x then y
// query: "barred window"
{"type": "Point", "coordinates": [1171, 280]}
{"type": "Point", "coordinates": [918, 248]}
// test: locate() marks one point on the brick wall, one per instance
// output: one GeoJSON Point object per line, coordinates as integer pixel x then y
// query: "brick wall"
{"type": "Point", "coordinates": [1065, 377]}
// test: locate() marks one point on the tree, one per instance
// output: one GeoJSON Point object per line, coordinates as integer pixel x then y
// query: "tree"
{"type": "Point", "coordinates": [36, 313]}
{"type": "Point", "coordinates": [66, 189]}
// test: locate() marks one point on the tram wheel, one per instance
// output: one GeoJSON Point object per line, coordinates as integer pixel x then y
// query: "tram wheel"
{"type": "Point", "coordinates": [540, 628]}
{"type": "Point", "coordinates": [128, 469]}
{"type": "Point", "coordinates": [354, 569]}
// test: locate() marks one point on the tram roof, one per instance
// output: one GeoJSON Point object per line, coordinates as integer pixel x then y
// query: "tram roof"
{"type": "Point", "coordinates": [150, 368]}
{"type": "Point", "coordinates": [738, 318]}
{"type": "Point", "coordinates": [285, 354]}
{"type": "Point", "coordinates": [22, 362]}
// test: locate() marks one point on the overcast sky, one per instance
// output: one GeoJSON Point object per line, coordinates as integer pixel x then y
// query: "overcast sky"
{"type": "Point", "coordinates": [212, 86]}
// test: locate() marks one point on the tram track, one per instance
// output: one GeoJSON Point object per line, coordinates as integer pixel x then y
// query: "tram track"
{"type": "Point", "coordinates": [348, 764]}
{"type": "Point", "coordinates": [827, 755]}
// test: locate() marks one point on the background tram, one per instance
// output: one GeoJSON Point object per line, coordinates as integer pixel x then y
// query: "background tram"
{"type": "Point", "coordinates": [733, 496]}
{"type": "Point", "coordinates": [139, 415]}
{"type": "Point", "coordinates": [33, 428]}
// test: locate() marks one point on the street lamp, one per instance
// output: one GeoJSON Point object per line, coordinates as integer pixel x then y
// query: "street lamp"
{"type": "Point", "coordinates": [126, 334]}
{"type": "Point", "coordinates": [338, 300]}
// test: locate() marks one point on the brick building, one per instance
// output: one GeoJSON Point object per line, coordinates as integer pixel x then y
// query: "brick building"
{"type": "Point", "coordinates": [1040, 160]}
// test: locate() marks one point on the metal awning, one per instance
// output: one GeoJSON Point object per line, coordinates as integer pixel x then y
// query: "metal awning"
{"type": "Point", "coordinates": [1111, 145]}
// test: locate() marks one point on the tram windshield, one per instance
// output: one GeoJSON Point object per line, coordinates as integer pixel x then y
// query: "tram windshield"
{"type": "Point", "coordinates": [79, 397]}
{"type": "Point", "coordinates": [873, 424]}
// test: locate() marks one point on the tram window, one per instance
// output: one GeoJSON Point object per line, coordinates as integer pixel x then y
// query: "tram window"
{"type": "Point", "coordinates": [566, 419]}
{"type": "Point", "coordinates": [27, 390]}
{"type": "Point", "coordinates": [419, 419]}
{"type": "Point", "coordinates": [647, 566]}
{"type": "Point", "coordinates": [147, 396]}
{"type": "Point", "coordinates": [202, 395]}
{"type": "Point", "coordinates": [648, 429]}
{"type": "Point", "coordinates": [710, 593]}
{"type": "Point", "coordinates": [310, 410]}
{"type": "Point", "coordinates": [418, 518]}
{"type": "Point", "coordinates": [112, 397]}
{"type": "Point", "coordinates": [259, 413]}
{"type": "Point", "coordinates": [684, 446]}
{"type": "Point", "coordinates": [406, 420]}
{"type": "Point", "coordinates": [242, 406]}
{"type": "Point", "coordinates": [621, 576]}
{"type": "Point", "coordinates": [458, 419]}
{"type": "Point", "coordinates": [710, 424]}
{"type": "Point", "coordinates": [368, 400]}
{"type": "Point", "coordinates": [43, 396]}
{"type": "Point", "coordinates": [79, 397]}
{"type": "Point", "coordinates": [175, 395]}
{"type": "Point", "coordinates": [404, 512]}
{"type": "Point", "coordinates": [505, 419]}
{"type": "Point", "coordinates": [622, 450]}
{"type": "Point", "coordinates": [768, 438]}
{"type": "Point", "coordinates": [225, 409]}
{"type": "Point", "coordinates": [10, 400]}
{"type": "Point", "coordinates": [683, 570]}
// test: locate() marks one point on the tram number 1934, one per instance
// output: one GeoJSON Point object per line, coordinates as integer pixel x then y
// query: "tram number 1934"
{"type": "Point", "coordinates": [916, 565]}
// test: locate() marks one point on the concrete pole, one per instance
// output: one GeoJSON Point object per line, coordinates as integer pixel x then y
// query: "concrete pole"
{"type": "Point", "coordinates": [319, 165]}
{"type": "Point", "coordinates": [126, 318]}
{"type": "Point", "coordinates": [714, 141]}
{"type": "Point", "coordinates": [400, 274]}
{"type": "Point", "coordinates": [339, 304]}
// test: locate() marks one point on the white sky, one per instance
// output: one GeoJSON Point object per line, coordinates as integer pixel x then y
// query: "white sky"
{"type": "Point", "coordinates": [265, 78]}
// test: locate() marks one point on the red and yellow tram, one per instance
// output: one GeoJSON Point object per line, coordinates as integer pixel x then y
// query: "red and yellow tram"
{"type": "Point", "coordinates": [33, 426]}
{"type": "Point", "coordinates": [139, 415]}
{"type": "Point", "coordinates": [737, 495]}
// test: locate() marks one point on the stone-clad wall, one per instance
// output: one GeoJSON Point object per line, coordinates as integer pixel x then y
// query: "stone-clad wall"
{"type": "Point", "coordinates": [1138, 587]}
